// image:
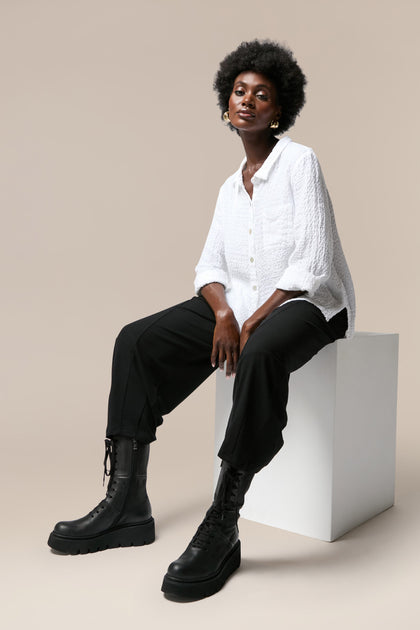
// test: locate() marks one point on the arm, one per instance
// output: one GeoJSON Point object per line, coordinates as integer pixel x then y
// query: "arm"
{"type": "Point", "coordinates": [210, 281]}
{"type": "Point", "coordinates": [310, 262]}
{"type": "Point", "coordinates": [212, 264]}
{"type": "Point", "coordinates": [226, 331]}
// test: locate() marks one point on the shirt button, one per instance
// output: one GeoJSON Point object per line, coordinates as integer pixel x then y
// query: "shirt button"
{"type": "Point", "coordinates": [254, 288]}
{"type": "Point", "coordinates": [251, 259]}
{"type": "Point", "coordinates": [250, 231]}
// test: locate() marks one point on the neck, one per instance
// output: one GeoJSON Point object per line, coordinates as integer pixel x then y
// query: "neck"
{"type": "Point", "coordinates": [257, 148]}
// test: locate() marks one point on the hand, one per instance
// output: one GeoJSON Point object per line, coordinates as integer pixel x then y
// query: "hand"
{"type": "Point", "coordinates": [247, 329]}
{"type": "Point", "coordinates": [226, 338]}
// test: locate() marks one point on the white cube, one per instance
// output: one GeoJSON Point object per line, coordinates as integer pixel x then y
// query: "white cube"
{"type": "Point", "coordinates": [337, 466]}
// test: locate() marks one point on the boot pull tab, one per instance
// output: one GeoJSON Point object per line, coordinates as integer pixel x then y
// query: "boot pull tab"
{"type": "Point", "coordinates": [108, 454]}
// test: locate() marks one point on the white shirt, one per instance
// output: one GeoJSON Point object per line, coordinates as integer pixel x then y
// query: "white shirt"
{"type": "Point", "coordinates": [285, 237]}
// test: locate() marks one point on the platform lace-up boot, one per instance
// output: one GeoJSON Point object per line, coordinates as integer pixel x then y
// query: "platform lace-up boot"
{"type": "Point", "coordinates": [214, 552]}
{"type": "Point", "coordinates": [123, 518]}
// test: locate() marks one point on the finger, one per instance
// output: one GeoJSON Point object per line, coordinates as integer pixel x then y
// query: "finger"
{"type": "Point", "coordinates": [229, 363]}
{"type": "Point", "coordinates": [235, 360]}
{"type": "Point", "coordinates": [214, 354]}
{"type": "Point", "coordinates": [222, 358]}
{"type": "Point", "coordinates": [244, 339]}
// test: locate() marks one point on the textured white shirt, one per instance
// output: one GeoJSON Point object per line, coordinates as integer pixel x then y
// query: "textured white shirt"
{"type": "Point", "coordinates": [285, 237]}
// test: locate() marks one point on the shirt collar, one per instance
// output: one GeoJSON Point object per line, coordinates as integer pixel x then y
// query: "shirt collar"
{"type": "Point", "coordinates": [264, 170]}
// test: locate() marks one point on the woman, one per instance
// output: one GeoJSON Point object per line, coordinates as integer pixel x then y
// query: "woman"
{"type": "Point", "coordinates": [273, 288]}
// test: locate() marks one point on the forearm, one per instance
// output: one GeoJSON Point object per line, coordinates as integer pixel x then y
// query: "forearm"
{"type": "Point", "coordinates": [214, 294]}
{"type": "Point", "coordinates": [276, 299]}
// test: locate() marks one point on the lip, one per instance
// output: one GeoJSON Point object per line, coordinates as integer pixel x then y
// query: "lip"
{"type": "Point", "coordinates": [246, 114]}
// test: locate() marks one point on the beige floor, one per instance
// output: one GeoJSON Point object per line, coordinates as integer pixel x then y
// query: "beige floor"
{"type": "Point", "coordinates": [369, 578]}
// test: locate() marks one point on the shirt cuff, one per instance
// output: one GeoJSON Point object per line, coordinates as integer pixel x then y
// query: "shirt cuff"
{"type": "Point", "coordinates": [295, 279]}
{"type": "Point", "coordinates": [211, 275]}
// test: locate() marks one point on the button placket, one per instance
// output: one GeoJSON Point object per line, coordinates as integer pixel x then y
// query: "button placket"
{"type": "Point", "coordinates": [251, 251]}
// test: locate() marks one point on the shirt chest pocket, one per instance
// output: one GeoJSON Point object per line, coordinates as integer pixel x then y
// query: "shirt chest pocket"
{"type": "Point", "coordinates": [277, 224]}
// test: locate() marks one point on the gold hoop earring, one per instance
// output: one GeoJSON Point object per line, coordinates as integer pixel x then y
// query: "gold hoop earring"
{"type": "Point", "coordinates": [226, 117]}
{"type": "Point", "coordinates": [274, 124]}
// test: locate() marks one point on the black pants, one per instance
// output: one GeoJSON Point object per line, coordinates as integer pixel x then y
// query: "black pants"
{"type": "Point", "coordinates": [159, 360]}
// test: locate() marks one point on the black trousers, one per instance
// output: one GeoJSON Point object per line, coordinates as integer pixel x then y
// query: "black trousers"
{"type": "Point", "coordinates": [159, 360]}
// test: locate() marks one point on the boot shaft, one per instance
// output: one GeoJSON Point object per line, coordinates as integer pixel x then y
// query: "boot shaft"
{"type": "Point", "coordinates": [127, 477]}
{"type": "Point", "coordinates": [231, 488]}
{"type": "Point", "coordinates": [126, 457]}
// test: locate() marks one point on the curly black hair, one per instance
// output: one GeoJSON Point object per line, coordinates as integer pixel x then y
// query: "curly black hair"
{"type": "Point", "coordinates": [274, 61]}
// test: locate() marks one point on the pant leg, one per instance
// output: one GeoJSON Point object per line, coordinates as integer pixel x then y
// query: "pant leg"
{"type": "Point", "coordinates": [158, 361]}
{"type": "Point", "coordinates": [286, 340]}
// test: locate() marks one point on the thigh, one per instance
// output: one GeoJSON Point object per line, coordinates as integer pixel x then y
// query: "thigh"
{"type": "Point", "coordinates": [190, 321]}
{"type": "Point", "coordinates": [183, 332]}
{"type": "Point", "coordinates": [293, 333]}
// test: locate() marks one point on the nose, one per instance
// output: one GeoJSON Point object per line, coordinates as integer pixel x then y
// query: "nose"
{"type": "Point", "coordinates": [248, 100]}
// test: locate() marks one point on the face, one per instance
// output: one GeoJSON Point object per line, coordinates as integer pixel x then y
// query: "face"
{"type": "Point", "coordinates": [253, 102]}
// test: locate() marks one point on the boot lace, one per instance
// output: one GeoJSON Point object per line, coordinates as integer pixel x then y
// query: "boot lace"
{"type": "Point", "coordinates": [109, 468]}
{"type": "Point", "coordinates": [207, 529]}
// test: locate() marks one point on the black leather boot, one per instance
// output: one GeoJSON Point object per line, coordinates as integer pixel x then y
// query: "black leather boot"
{"type": "Point", "coordinates": [214, 552]}
{"type": "Point", "coordinates": [124, 517]}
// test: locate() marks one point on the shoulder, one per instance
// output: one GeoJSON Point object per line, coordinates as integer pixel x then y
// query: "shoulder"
{"type": "Point", "coordinates": [296, 153]}
{"type": "Point", "coordinates": [303, 164]}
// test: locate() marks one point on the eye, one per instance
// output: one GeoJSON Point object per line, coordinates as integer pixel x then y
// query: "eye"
{"type": "Point", "coordinates": [239, 92]}
{"type": "Point", "coordinates": [262, 97]}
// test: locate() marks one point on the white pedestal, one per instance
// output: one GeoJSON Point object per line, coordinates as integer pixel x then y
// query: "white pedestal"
{"type": "Point", "coordinates": [337, 466]}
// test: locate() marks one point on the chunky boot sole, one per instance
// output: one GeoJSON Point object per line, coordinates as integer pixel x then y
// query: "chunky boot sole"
{"type": "Point", "coordinates": [204, 588]}
{"type": "Point", "coordinates": [125, 536]}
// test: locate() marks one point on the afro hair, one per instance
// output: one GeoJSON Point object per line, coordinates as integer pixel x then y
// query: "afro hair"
{"type": "Point", "coordinates": [273, 61]}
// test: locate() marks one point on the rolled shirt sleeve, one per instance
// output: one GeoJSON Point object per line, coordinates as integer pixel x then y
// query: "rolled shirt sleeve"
{"type": "Point", "coordinates": [310, 262]}
{"type": "Point", "coordinates": [212, 264]}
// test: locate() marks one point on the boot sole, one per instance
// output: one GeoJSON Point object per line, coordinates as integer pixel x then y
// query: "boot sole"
{"type": "Point", "coordinates": [126, 536]}
{"type": "Point", "coordinates": [206, 587]}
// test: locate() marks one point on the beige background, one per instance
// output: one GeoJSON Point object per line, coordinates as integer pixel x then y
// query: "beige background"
{"type": "Point", "coordinates": [112, 152]}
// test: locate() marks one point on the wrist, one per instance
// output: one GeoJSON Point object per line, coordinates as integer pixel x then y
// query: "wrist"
{"type": "Point", "coordinates": [224, 312]}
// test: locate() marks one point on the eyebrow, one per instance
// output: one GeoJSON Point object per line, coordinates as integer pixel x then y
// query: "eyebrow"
{"type": "Point", "coordinates": [260, 85]}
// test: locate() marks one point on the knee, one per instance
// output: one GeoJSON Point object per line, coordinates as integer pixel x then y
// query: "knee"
{"type": "Point", "coordinates": [127, 336]}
